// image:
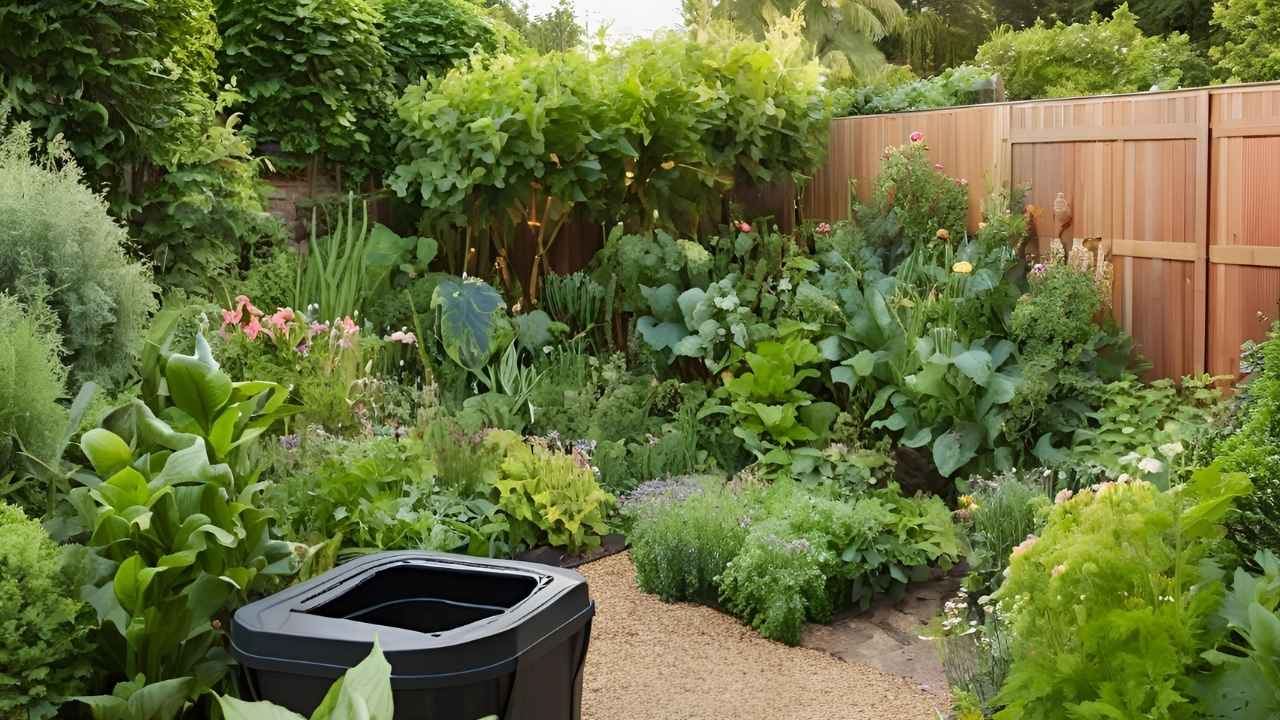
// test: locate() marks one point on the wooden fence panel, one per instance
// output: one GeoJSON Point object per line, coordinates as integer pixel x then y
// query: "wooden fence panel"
{"type": "Point", "coordinates": [1127, 167]}
{"type": "Point", "coordinates": [1244, 249]}
{"type": "Point", "coordinates": [969, 142]}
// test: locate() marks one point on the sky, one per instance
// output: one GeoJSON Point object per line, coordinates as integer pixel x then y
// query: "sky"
{"type": "Point", "coordinates": [627, 17]}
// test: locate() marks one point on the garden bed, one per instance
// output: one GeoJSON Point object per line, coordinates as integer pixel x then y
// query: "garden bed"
{"type": "Point", "coordinates": [651, 659]}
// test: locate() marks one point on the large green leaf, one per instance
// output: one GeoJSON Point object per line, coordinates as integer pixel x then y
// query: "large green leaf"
{"type": "Point", "coordinates": [663, 302]}
{"type": "Point", "coordinates": [197, 387]}
{"type": "Point", "coordinates": [386, 250]}
{"type": "Point", "coordinates": [956, 447]}
{"type": "Point", "coordinates": [364, 693]}
{"type": "Point", "coordinates": [976, 364]}
{"type": "Point", "coordinates": [235, 709]}
{"type": "Point", "coordinates": [661, 335]}
{"type": "Point", "coordinates": [533, 329]}
{"type": "Point", "coordinates": [107, 452]}
{"type": "Point", "coordinates": [467, 312]}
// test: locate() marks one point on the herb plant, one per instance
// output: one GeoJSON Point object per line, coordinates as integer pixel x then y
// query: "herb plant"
{"type": "Point", "coordinates": [1110, 606]}
{"type": "Point", "coordinates": [43, 624]}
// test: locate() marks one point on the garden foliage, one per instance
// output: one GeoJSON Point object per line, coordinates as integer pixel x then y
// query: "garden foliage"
{"type": "Point", "coordinates": [1111, 605]}
{"type": "Point", "coordinates": [1253, 450]}
{"type": "Point", "coordinates": [58, 245]}
{"type": "Point", "coordinates": [121, 80]}
{"type": "Point", "coordinates": [32, 382]}
{"type": "Point", "coordinates": [43, 625]}
{"type": "Point", "coordinates": [892, 92]}
{"type": "Point", "coordinates": [784, 555]}
{"type": "Point", "coordinates": [1098, 57]}
{"type": "Point", "coordinates": [1250, 46]}
{"type": "Point", "coordinates": [314, 75]}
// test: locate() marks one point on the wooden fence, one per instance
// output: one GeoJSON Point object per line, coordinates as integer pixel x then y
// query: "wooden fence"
{"type": "Point", "coordinates": [1184, 188]}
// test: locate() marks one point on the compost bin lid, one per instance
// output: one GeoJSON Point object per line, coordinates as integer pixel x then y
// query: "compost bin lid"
{"type": "Point", "coordinates": [440, 619]}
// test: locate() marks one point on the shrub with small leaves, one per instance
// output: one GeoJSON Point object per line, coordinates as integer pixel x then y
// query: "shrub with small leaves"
{"type": "Point", "coordinates": [684, 535]}
{"type": "Point", "coordinates": [1250, 32]}
{"type": "Point", "coordinates": [58, 243]}
{"type": "Point", "coordinates": [314, 74]}
{"type": "Point", "coordinates": [43, 630]}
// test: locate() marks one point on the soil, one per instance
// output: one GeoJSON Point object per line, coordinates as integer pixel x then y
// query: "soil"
{"type": "Point", "coordinates": [650, 660]}
{"type": "Point", "coordinates": [609, 545]}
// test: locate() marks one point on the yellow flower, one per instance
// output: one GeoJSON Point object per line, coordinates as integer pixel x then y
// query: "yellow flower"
{"type": "Point", "coordinates": [963, 267]}
{"type": "Point", "coordinates": [943, 234]}
{"type": "Point", "coordinates": [668, 165]}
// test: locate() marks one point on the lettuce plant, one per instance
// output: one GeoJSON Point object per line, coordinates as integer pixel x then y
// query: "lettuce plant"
{"type": "Point", "coordinates": [550, 497]}
{"type": "Point", "coordinates": [770, 410]}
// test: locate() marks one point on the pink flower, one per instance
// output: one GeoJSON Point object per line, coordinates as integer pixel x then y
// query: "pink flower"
{"type": "Point", "coordinates": [1025, 545]}
{"type": "Point", "coordinates": [917, 136]}
{"type": "Point", "coordinates": [348, 326]}
{"type": "Point", "coordinates": [319, 328]}
{"type": "Point", "coordinates": [824, 229]}
{"type": "Point", "coordinates": [744, 226]}
{"type": "Point", "coordinates": [1063, 496]}
{"type": "Point", "coordinates": [402, 337]}
{"type": "Point", "coordinates": [281, 319]}
{"type": "Point", "coordinates": [253, 328]}
{"type": "Point", "coordinates": [1038, 269]}
{"type": "Point", "coordinates": [231, 317]}
{"type": "Point", "coordinates": [242, 302]}
{"type": "Point", "coordinates": [937, 166]}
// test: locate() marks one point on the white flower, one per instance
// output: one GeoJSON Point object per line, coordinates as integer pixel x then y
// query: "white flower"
{"type": "Point", "coordinates": [728, 302]}
{"type": "Point", "coordinates": [1130, 459]}
{"type": "Point", "coordinates": [1171, 450]}
{"type": "Point", "coordinates": [784, 284]}
{"type": "Point", "coordinates": [1150, 465]}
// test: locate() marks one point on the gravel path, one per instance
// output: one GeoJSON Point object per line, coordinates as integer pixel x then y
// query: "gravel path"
{"type": "Point", "coordinates": [650, 660]}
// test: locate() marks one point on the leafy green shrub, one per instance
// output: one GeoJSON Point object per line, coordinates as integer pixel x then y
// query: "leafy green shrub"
{"type": "Point", "coordinates": [1253, 449]}
{"type": "Point", "coordinates": [960, 85]}
{"type": "Point", "coordinates": [1138, 429]}
{"type": "Point", "coordinates": [1066, 352]}
{"type": "Point", "coordinates": [32, 381]}
{"type": "Point", "coordinates": [58, 243]}
{"type": "Point", "coordinates": [428, 37]}
{"type": "Point", "coordinates": [777, 582]}
{"type": "Point", "coordinates": [620, 136]}
{"type": "Point", "coordinates": [550, 497]}
{"type": "Point", "coordinates": [1246, 678]}
{"type": "Point", "coordinates": [182, 457]}
{"type": "Point", "coordinates": [207, 216]}
{"type": "Point", "coordinates": [43, 631]}
{"type": "Point", "coordinates": [314, 75]}
{"type": "Point", "coordinates": [1095, 58]}
{"type": "Point", "coordinates": [914, 203]}
{"type": "Point", "coordinates": [809, 551]}
{"type": "Point", "coordinates": [1110, 606]}
{"type": "Point", "coordinates": [123, 82]}
{"type": "Point", "coordinates": [272, 282]}
{"type": "Point", "coordinates": [1250, 40]}
{"type": "Point", "coordinates": [769, 410]}
{"type": "Point", "coordinates": [683, 536]}
{"type": "Point", "coordinates": [371, 494]}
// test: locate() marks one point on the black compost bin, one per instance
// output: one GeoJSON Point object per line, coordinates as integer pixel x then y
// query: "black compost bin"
{"type": "Point", "coordinates": [465, 637]}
